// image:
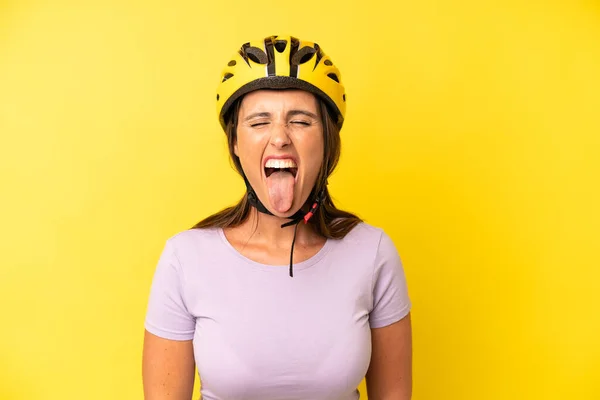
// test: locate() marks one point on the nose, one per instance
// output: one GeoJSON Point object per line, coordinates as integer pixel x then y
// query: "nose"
{"type": "Point", "coordinates": [279, 135]}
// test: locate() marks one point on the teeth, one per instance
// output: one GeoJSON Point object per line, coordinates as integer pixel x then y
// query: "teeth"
{"type": "Point", "coordinates": [280, 163]}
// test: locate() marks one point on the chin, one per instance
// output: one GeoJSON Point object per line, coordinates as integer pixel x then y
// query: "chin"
{"type": "Point", "coordinates": [287, 214]}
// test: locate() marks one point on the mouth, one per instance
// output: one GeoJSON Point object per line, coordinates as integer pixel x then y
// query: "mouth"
{"type": "Point", "coordinates": [280, 166]}
{"type": "Point", "coordinates": [281, 174]}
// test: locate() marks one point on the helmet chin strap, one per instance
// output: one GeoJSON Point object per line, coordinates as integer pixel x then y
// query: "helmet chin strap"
{"type": "Point", "coordinates": [294, 219]}
{"type": "Point", "coordinates": [253, 200]}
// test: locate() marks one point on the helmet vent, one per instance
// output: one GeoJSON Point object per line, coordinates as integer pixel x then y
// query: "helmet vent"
{"type": "Point", "coordinates": [280, 45]}
{"type": "Point", "coordinates": [328, 63]}
{"type": "Point", "coordinates": [344, 97]}
{"type": "Point", "coordinates": [334, 77]}
{"type": "Point", "coordinates": [303, 55]}
{"type": "Point", "coordinates": [306, 58]}
{"type": "Point", "coordinates": [256, 55]}
{"type": "Point", "coordinates": [227, 76]}
{"type": "Point", "coordinates": [231, 63]}
{"type": "Point", "coordinates": [218, 96]}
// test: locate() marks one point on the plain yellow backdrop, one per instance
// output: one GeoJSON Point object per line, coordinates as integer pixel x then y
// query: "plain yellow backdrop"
{"type": "Point", "coordinates": [472, 138]}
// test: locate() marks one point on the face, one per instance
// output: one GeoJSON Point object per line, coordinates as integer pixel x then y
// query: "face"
{"type": "Point", "coordinates": [280, 146]}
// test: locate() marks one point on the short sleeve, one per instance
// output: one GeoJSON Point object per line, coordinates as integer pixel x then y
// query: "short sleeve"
{"type": "Point", "coordinates": [391, 301]}
{"type": "Point", "coordinates": [167, 315]}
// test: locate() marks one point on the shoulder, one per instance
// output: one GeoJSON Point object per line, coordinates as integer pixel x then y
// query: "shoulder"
{"type": "Point", "coordinates": [193, 245]}
{"type": "Point", "coordinates": [192, 239]}
{"type": "Point", "coordinates": [367, 243]}
{"type": "Point", "coordinates": [365, 235]}
{"type": "Point", "coordinates": [192, 255]}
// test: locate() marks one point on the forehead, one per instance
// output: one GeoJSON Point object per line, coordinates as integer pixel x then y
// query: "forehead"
{"type": "Point", "coordinates": [278, 101]}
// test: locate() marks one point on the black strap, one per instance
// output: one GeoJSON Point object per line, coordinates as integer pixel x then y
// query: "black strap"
{"type": "Point", "coordinates": [294, 219]}
{"type": "Point", "coordinates": [254, 201]}
{"type": "Point", "coordinates": [292, 251]}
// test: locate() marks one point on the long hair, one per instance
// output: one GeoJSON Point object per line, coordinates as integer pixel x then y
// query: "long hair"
{"type": "Point", "coordinates": [328, 221]}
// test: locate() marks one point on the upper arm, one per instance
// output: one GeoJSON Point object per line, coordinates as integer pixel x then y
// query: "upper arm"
{"type": "Point", "coordinates": [389, 376]}
{"type": "Point", "coordinates": [391, 301]}
{"type": "Point", "coordinates": [168, 357]}
{"type": "Point", "coordinates": [167, 368]}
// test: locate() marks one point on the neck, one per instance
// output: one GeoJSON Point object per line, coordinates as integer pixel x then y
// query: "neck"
{"type": "Point", "coordinates": [264, 228]}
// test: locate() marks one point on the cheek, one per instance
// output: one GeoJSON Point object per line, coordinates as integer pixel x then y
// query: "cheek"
{"type": "Point", "coordinates": [248, 149]}
{"type": "Point", "coordinates": [242, 145]}
{"type": "Point", "coordinates": [313, 154]}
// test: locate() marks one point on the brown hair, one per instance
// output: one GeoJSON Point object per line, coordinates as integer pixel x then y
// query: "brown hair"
{"type": "Point", "coordinates": [328, 221]}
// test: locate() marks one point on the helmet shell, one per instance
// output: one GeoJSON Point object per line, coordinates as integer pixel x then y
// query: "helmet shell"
{"type": "Point", "coordinates": [281, 62]}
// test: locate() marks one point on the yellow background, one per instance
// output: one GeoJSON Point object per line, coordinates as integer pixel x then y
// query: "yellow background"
{"type": "Point", "coordinates": [472, 137]}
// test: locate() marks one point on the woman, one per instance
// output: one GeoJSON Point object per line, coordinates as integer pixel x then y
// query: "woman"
{"type": "Point", "coordinates": [282, 296]}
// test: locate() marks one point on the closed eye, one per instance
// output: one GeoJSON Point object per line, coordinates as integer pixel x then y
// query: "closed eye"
{"type": "Point", "coordinates": [258, 124]}
{"type": "Point", "coordinates": [305, 123]}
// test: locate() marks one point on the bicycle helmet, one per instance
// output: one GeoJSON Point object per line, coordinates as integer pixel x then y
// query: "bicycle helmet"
{"type": "Point", "coordinates": [281, 62]}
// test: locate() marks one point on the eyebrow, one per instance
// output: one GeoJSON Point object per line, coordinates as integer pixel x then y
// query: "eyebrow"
{"type": "Point", "coordinates": [290, 113]}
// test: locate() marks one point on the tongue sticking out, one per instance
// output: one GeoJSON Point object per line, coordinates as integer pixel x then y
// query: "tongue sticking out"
{"type": "Point", "coordinates": [281, 190]}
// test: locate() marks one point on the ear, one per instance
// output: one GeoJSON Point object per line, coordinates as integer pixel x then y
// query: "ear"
{"type": "Point", "coordinates": [235, 148]}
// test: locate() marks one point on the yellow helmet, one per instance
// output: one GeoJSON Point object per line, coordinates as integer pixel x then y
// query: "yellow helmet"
{"type": "Point", "coordinates": [281, 62]}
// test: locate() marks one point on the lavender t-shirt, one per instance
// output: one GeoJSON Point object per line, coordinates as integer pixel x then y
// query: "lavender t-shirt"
{"type": "Point", "coordinates": [259, 334]}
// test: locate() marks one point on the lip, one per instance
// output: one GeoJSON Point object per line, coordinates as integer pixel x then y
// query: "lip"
{"type": "Point", "coordinates": [281, 157]}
